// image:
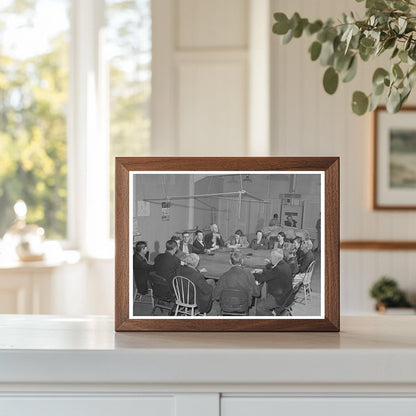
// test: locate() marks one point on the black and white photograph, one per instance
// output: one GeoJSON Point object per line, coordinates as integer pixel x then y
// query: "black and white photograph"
{"type": "Point", "coordinates": [226, 244]}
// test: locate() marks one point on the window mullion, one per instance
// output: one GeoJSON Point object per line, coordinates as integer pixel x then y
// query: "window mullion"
{"type": "Point", "coordinates": [88, 134]}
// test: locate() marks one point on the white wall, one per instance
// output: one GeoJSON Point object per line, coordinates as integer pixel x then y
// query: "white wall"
{"type": "Point", "coordinates": [213, 77]}
{"type": "Point", "coordinates": [308, 122]}
{"type": "Point", "coordinates": [211, 60]}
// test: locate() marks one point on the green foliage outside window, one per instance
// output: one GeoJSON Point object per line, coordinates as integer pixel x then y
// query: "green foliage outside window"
{"type": "Point", "coordinates": [33, 99]}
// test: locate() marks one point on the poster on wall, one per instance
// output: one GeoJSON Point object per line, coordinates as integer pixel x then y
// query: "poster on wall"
{"type": "Point", "coordinates": [165, 211]}
{"type": "Point", "coordinates": [143, 209]}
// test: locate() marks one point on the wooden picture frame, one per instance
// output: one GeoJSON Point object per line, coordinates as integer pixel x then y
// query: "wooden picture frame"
{"type": "Point", "coordinates": [394, 158]}
{"type": "Point", "coordinates": [327, 168]}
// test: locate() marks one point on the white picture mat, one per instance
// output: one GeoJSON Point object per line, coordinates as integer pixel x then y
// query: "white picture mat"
{"type": "Point", "coordinates": [322, 252]}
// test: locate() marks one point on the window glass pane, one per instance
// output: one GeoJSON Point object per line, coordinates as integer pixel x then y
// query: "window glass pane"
{"type": "Point", "coordinates": [34, 37]}
{"type": "Point", "coordinates": [129, 51]}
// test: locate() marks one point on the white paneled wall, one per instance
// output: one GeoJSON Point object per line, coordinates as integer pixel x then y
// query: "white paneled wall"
{"type": "Point", "coordinates": [306, 121]}
{"type": "Point", "coordinates": [225, 86]}
{"type": "Point", "coordinates": [203, 67]}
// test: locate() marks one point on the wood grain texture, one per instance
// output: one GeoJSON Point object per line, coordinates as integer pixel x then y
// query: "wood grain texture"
{"type": "Point", "coordinates": [378, 245]}
{"type": "Point", "coordinates": [330, 165]}
{"type": "Point", "coordinates": [376, 205]}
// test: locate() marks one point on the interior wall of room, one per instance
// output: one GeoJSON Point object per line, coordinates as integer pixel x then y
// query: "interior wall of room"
{"type": "Point", "coordinates": [305, 121]}
{"type": "Point", "coordinates": [153, 228]}
{"type": "Point", "coordinates": [206, 79]}
{"type": "Point", "coordinates": [210, 92]}
{"type": "Point", "coordinates": [206, 210]}
{"type": "Point", "coordinates": [200, 78]}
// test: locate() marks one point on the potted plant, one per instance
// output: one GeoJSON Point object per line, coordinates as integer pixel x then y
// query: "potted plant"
{"type": "Point", "coordinates": [387, 294]}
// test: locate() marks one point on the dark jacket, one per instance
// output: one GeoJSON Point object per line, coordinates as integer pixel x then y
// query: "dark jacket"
{"type": "Point", "coordinates": [255, 246]}
{"type": "Point", "coordinates": [141, 269]}
{"type": "Point", "coordinates": [166, 265]}
{"type": "Point", "coordinates": [208, 241]}
{"type": "Point", "coordinates": [198, 248]}
{"type": "Point", "coordinates": [237, 278]}
{"type": "Point", "coordinates": [203, 289]}
{"type": "Point", "coordinates": [305, 260]}
{"type": "Point", "coordinates": [279, 281]}
{"type": "Point", "coordinates": [190, 247]}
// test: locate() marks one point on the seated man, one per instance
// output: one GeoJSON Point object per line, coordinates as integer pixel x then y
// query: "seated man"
{"type": "Point", "coordinates": [237, 278]}
{"type": "Point", "coordinates": [259, 242]}
{"type": "Point", "coordinates": [203, 289]}
{"type": "Point", "coordinates": [141, 267]}
{"type": "Point", "coordinates": [167, 264]}
{"type": "Point", "coordinates": [296, 248]}
{"type": "Point", "coordinates": [185, 246]}
{"type": "Point", "coordinates": [213, 239]}
{"type": "Point", "coordinates": [198, 246]}
{"type": "Point", "coordinates": [289, 256]}
{"type": "Point", "coordinates": [238, 240]}
{"type": "Point", "coordinates": [279, 284]}
{"type": "Point", "coordinates": [306, 257]}
{"type": "Point", "coordinates": [277, 242]}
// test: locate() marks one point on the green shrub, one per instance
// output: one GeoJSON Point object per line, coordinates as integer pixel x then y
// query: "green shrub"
{"type": "Point", "coordinates": [386, 291]}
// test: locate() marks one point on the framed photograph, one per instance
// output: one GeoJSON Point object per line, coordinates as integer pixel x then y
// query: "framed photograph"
{"type": "Point", "coordinates": [394, 181]}
{"type": "Point", "coordinates": [200, 245]}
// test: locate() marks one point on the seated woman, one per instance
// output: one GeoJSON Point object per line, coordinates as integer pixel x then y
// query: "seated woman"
{"type": "Point", "coordinates": [259, 242]}
{"type": "Point", "coordinates": [141, 267]}
{"type": "Point", "coordinates": [238, 240]}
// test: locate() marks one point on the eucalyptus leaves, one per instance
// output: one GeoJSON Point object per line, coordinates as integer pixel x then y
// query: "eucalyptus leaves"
{"type": "Point", "coordinates": [389, 27]}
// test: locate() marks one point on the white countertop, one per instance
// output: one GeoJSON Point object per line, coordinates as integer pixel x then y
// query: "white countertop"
{"type": "Point", "coordinates": [52, 349]}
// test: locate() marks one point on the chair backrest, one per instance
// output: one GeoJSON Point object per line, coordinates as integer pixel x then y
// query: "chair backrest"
{"type": "Point", "coordinates": [290, 299]}
{"type": "Point", "coordinates": [160, 287]}
{"type": "Point", "coordinates": [308, 273]}
{"type": "Point", "coordinates": [185, 291]}
{"type": "Point", "coordinates": [234, 300]}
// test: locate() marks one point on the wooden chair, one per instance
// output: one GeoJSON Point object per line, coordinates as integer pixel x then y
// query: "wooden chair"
{"type": "Point", "coordinates": [234, 302]}
{"type": "Point", "coordinates": [305, 279]}
{"type": "Point", "coordinates": [286, 307]}
{"type": "Point", "coordinates": [163, 296]}
{"type": "Point", "coordinates": [185, 292]}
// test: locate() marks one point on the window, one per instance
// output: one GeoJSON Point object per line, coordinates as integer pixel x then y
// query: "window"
{"type": "Point", "coordinates": [33, 99]}
{"type": "Point", "coordinates": [75, 87]}
{"type": "Point", "coordinates": [129, 45]}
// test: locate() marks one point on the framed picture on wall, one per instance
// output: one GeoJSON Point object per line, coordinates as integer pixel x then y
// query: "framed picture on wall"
{"type": "Point", "coordinates": [224, 261]}
{"type": "Point", "coordinates": [394, 179]}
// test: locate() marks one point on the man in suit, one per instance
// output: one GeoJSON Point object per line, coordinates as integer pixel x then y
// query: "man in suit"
{"type": "Point", "coordinates": [167, 264]}
{"type": "Point", "coordinates": [306, 257]}
{"type": "Point", "coordinates": [279, 284]}
{"type": "Point", "coordinates": [259, 242]}
{"type": "Point", "coordinates": [185, 246]}
{"type": "Point", "coordinates": [237, 278]}
{"type": "Point", "coordinates": [199, 244]}
{"type": "Point", "coordinates": [203, 289]}
{"type": "Point", "coordinates": [213, 240]}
